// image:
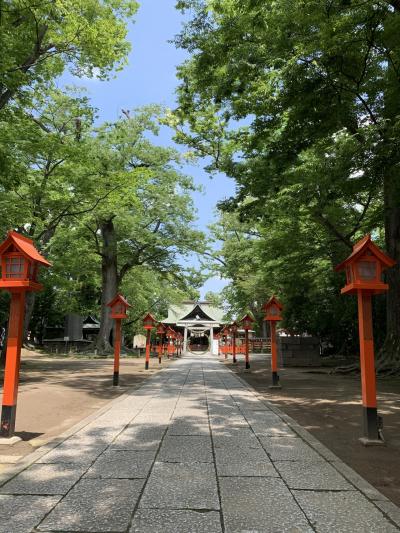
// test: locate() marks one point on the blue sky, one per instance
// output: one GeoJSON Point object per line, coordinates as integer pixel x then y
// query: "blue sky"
{"type": "Point", "coordinates": [150, 78]}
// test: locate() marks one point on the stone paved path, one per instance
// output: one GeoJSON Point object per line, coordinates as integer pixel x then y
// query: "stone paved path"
{"type": "Point", "coordinates": [192, 450]}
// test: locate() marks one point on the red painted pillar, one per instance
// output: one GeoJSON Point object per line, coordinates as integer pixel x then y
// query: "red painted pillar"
{"type": "Point", "coordinates": [117, 350]}
{"type": "Point", "coordinates": [234, 347]}
{"type": "Point", "coordinates": [147, 349]}
{"type": "Point", "coordinates": [247, 358]}
{"type": "Point", "coordinates": [13, 358]}
{"type": "Point", "coordinates": [274, 356]}
{"type": "Point", "coordinates": [367, 365]}
{"type": "Point", "coordinates": [160, 349]}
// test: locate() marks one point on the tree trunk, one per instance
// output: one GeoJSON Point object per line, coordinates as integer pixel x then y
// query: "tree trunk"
{"type": "Point", "coordinates": [29, 305]}
{"type": "Point", "coordinates": [109, 277]}
{"type": "Point", "coordinates": [389, 358]}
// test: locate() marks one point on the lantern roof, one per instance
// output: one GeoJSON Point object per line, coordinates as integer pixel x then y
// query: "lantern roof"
{"type": "Point", "coordinates": [119, 299]}
{"type": "Point", "coordinates": [360, 248]}
{"type": "Point", "coordinates": [272, 301]}
{"type": "Point", "coordinates": [25, 246]}
{"type": "Point", "coordinates": [249, 317]}
{"type": "Point", "coordinates": [149, 316]}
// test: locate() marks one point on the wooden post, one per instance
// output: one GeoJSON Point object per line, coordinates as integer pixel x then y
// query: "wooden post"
{"type": "Point", "coordinates": [147, 349]}
{"type": "Point", "coordinates": [13, 358]}
{"type": "Point", "coordinates": [117, 350]}
{"type": "Point", "coordinates": [234, 346]}
{"type": "Point", "coordinates": [367, 365]}
{"type": "Point", "coordinates": [247, 359]}
{"type": "Point", "coordinates": [274, 357]}
{"type": "Point", "coordinates": [160, 348]}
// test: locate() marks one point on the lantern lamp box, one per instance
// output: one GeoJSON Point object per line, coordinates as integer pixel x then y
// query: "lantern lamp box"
{"type": "Point", "coordinates": [364, 268]}
{"type": "Point", "coordinates": [119, 307]}
{"type": "Point", "coordinates": [160, 329]}
{"type": "Point", "coordinates": [170, 333]}
{"type": "Point", "coordinates": [149, 321]}
{"type": "Point", "coordinates": [273, 309]}
{"type": "Point", "coordinates": [20, 263]}
{"type": "Point", "coordinates": [234, 327]}
{"type": "Point", "coordinates": [247, 321]}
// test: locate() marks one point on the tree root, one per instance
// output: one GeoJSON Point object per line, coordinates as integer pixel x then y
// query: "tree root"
{"type": "Point", "coordinates": [347, 369]}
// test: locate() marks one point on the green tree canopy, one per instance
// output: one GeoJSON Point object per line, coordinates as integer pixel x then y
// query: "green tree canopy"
{"type": "Point", "coordinates": [300, 104]}
{"type": "Point", "coordinates": [38, 39]}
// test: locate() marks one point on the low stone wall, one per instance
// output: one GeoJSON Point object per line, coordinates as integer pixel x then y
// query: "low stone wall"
{"type": "Point", "coordinates": [299, 351]}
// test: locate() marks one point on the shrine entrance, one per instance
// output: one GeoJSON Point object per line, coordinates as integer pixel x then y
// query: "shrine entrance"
{"type": "Point", "coordinates": [198, 342]}
{"type": "Point", "coordinates": [198, 321]}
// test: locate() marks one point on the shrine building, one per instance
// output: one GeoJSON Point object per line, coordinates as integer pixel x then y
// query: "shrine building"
{"type": "Point", "coordinates": [199, 322]}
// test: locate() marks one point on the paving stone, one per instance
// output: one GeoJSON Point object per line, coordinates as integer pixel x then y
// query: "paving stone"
{"type": "Point", "coordinates": [239, 443]}
{"type": "Point", "coordinates": [95, 505]}
{"type": "Point", "coordinates": [271, 429]}
{"type": "Point", "coordinates": [313, 476]}
{"type": "Point", "coordinates": [260, 504]}
{"type": "Point", "coordinates": [122, 464]}
{"type": "Point", "coordinates": [232, 431]}
{"type": "Point", "coordinates": [154, 420]}
{"type": "Point", "coordinates": [19, 514]}
{"type": "Point", "coordinates": [181, 427]}
{"type": "Point", "coordinates": [246, 469]}
{"type": "Point", "coordinates": [92, 438]}
{"type": "Point", "coordinates": [139, 437]}
{"type": "Point", "coordinates": [186, 449]}
{"type": "Point", "coordinates": [44, 479]}
{"type": "Point", "coordinates": [64, 453]}
{"type": "Point", "coordinates": [289, 449]}
{"type": "Point", "coordinates": [344, 512]}
{"type": "Point", "coordinates": [181, 486]}
{"type": "Point", "coordinates": [228, 420]}
{"type": "Point", "coordinates": [176, 521]}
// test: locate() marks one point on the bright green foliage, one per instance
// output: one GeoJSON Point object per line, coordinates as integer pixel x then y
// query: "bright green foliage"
{"type": "Point", "coordinates": [300, 103]}
{"type": "Point", "coordinates": [38, 39]}
{"type": "Point", "coordinates": [51, 147]}
{"type": "Point", "coordinates": [74, 181]}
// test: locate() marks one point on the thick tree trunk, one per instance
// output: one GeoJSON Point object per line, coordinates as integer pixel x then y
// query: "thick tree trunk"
{"type": "Point", "coordinates": [109, 272]}
{"type": "Point", "coordinates": [389, 358]}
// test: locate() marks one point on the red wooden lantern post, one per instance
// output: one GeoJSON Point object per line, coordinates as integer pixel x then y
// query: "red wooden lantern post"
{"type": "Point", "coordinates": [226, 332]}
{"type": "Point", "coordinates": [20, 262]}
{"type": "Point", "coordinates": [246, 323]}
{"type": "Point", "coordinates": [273, 313]}
{"type": "Point", "coordinates": [119, 307]}
{"type": "Point", "coordinates": [170, 335]}
{"type": "Point", "coordinates": [234, 330]}
{"type": "Point", "coordinates": [148, 324]}
{"type": "Point", "coordinates": [364, 269]}
{"type": "Point", "coordinates": [160, 332]}
{"type": "Point", "coordinates": [180, 339]}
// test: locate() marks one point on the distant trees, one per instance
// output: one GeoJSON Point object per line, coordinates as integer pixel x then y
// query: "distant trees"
{"type": "Point", "coordinates": [110, 208]}
{"type": "Point", "coordinates": [299, 102]}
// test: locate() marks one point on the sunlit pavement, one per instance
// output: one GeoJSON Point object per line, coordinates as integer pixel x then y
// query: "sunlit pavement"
{"type": "Point", "coordinates": [194, 449]}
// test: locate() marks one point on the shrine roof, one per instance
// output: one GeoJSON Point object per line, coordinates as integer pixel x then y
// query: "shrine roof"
{"type": "Point", "coordinates": [189, 310]}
